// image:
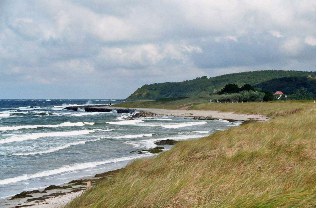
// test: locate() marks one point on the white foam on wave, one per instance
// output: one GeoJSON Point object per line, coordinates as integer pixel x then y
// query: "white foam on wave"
{"type": "Point", "coordinates": [55, 149]}
{"type": "Point", "coordinates": [150, 143]}
{"type": "Point", "coordinates": [65, 124]}
{"type": "Point", "coordinates": [224, 121]}
{"type": "Point", "coordinates": [34, 136]}
{"type": "Point", "coordinates": [58, 107]}
{"type": "Point", "coordinates": [237, 123]}
{"type": "Point", "coordinates": [158, 119]}
{"type": "Point", "coordinates": [201, 132]}
{"type": "Point", "coordinates": [123, 117]}
{"type": "Point", "coordinates": [83, 113]}
{"type": "Point", "coordinates": [139, 122]}
{"type": "Point", "coordinates": [4, 115]}
{"type": "Point", "coordinates": [105, 130]}
{"type": "Point", "coordinates": [182, 125]}
{"type": "Point", "coordinates": [77, 113]}
{"type": "Point", "coordinates": [126, 122]}
{"type": "Point", "coordinates": [133, 136]}
{"type": "Point", "coordinates": [66, 169]}
{"type": "Point", "coordinates": [29, 108]}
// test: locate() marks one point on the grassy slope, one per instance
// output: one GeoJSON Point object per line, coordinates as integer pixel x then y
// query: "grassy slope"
{"type": "Point", "coordinates": [257, 164]}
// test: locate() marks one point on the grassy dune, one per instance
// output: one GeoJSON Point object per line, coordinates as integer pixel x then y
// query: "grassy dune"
{"type": "Point", "coordinates": [258, 164]}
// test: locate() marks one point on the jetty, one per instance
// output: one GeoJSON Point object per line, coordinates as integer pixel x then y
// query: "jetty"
{"type": "Point", "coordinates": [99, 108]}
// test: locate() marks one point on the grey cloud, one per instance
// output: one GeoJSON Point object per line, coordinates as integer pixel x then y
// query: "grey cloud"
{"type": "Point", "coordinates": [48, 43]}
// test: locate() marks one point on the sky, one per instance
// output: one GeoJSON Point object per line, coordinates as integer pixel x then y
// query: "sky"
{"type": "Point", "coordinates": [109, 48]}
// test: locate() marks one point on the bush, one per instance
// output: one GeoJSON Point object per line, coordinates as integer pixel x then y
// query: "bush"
{"type": "Point", "coordinates": [244, 96]}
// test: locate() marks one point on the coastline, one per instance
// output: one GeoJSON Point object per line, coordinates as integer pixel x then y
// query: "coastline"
{"type": "Point", "coordinates": [59, 196]}
{"type": "Point", "coordinates": [55, 196]}
{"type": "Point", "coordinates": [204, 114]}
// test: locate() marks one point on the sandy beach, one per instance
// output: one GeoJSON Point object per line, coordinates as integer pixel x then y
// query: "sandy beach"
{"type": "Point", "coordinates": [59, 196]}
{"type": "Point", "coordinates": [203, 114]}
{"type": "Point", "coordinates": [58, 202]}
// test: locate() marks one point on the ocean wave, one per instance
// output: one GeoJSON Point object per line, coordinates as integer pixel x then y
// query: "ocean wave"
{"type": "Point", "coordinates": [126, 122]}
{"type": "Point", "coordinates": [28, 108]}
{"type": "Point", "coordinates": [34, 136]}
{"type": "Point", "coordinates": [65, 124]}
{"type": "Point", "coordinates": [139, 122]}
{"type": "Point", "coordinates": [123, 117]}
{"type": "Point", "coordinates": [55, 149]}
{"type": "Point", "coordinates": [133, 136]}
{"type": "Point", "coordinates": [172, 125]}
{"type": "Point", "coordinates": [182, 125]}
{"type": "Point", "coordinates": [224, 121]}
{"type": "Point", "coordinates": [4, 115]}
{"type": "Point", "coordinates": [83, 113]}
{"type": "Point", "coordinates": [66, 169]}
{"type": "Point", "coordinates": [236, 123]}
{"type": "Point", "coordinates": [105, 130]}
{"type": "Point", "coordinates": [202, 132]}
{"type": "Point", "coordinates": [150, 143]}
{"type": "Point", "coordinates": [147, 144]}
{"type": "Point", "coordinates": [158, 119]}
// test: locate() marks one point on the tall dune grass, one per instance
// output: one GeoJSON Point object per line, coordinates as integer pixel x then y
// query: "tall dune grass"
{"type": "Point", "coordinates": [258, 164]}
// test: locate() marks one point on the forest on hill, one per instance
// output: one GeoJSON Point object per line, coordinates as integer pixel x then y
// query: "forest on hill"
{"type": "Point", "coordinates": [296, 84]}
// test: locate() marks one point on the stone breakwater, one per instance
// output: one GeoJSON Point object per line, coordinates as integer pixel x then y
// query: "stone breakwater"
{"type": "Point", "coordinates": [99, 108]}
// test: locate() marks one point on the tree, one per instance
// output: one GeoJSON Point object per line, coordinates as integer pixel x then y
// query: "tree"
{"type": "Point", "coordinates": [230, 88]}
{"type": "Point", "coordinates": [268, 96]}
{"type": "Point", "coordinates": [247, 87]}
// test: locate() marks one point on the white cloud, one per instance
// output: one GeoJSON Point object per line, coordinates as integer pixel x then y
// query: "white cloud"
{"type": "Point", "coordinates": [292, 46]}
{"type": "Point", "coordinates": [146, 55]}
{"type": "Point", "coordinates": [276, 34]}
{"type": "Point", "coordinates": [151, 40]}
{"type": "Point", "coordinates": [311, 41]}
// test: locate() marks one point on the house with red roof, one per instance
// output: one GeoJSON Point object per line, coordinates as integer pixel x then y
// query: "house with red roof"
{"type": "Point", "coordinates": [279, 94]}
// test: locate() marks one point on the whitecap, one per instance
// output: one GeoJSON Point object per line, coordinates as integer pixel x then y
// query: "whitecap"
{"type": "Point", "coordinates": [133, 136]}
{"type": "Point", "coordinates": [66, 169]}
{"type": "Point", "coordinates": [83, 113]}
{"type": "Point", "coordinates": [163, 125]}
{"type": "Point", "coordinates": [29, 108]}
{"type": "Point", "coordinates": [150, 143]}
{"type": "Point", "coordinates": [55, 149]}
{"type": "Point", "coordinates": [5, 115]}
{"type": "Point", "coordinates": [158, 119]}
{"type": "Point", "coordinates": [65, 124]}
{"type": "Point", "coordinates": [34, 136]}
{"type": "Point", "coordinates": [182, 125]}
{"type": "Point", "coordinates": [224, 121]}
{"type": "Point", "coordinates": [125, 122]}
{"type": "Point", "coordinates": [201, 132]}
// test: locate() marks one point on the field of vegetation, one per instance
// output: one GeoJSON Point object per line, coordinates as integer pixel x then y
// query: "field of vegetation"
{"type": "Point", "coordinates": [257, 164]}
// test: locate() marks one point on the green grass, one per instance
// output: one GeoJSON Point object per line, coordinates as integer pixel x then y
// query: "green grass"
{"type": "Point", "coordinates": [258, 164]}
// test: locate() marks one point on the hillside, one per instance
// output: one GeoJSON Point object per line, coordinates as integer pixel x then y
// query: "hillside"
{"type": "Point", "coordinates": [301, 87]}
{"type": "Point", "coordinates": [204, 86]}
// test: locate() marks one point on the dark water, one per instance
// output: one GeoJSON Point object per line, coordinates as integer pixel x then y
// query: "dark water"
{"type": "Point", "coordinates": [42, 144]}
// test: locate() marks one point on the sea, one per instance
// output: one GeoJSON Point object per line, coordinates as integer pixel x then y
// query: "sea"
{"type": "Point", "coordinates": [43, 144]}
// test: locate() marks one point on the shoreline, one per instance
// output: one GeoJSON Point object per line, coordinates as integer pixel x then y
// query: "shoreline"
{"type": "Point", "coordinates": [55, 196]}
{"type": "Point", "coordinates": [204, 114]}
{"type": "Point", "coordinates": [58, 196]}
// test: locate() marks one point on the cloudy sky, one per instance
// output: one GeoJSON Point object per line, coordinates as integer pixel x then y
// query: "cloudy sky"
{"type": "Point", "coordinates": [109, 48]}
